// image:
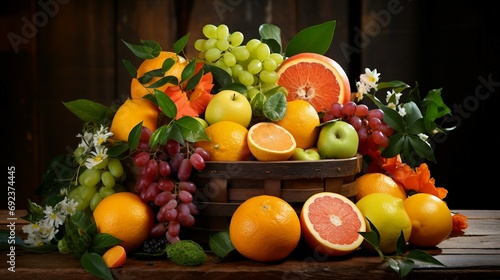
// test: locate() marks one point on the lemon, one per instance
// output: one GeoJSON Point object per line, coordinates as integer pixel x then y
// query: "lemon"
{"type": "Point", "coordinates": [388, 215]}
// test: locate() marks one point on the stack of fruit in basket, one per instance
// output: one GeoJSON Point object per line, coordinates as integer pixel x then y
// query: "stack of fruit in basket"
{"type": "Point", "coordinates": [240, 102]}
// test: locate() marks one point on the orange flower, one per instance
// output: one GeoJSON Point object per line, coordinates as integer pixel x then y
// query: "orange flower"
{"type": "Point", "coordinates": [459, 222]}
{"type": "Point", "coordinates": [418, 180]}
{"type": "Point", "coordinates": [192, 103]}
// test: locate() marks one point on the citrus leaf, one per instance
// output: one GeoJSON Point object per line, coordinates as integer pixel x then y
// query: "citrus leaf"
{"type": "Point", "coordinates": [191, 129]}
{"type": "Point", "coordinates": [135, 136]}
{"type": "Point", "coordinates": [147, 50]}
{"type": "Point", "coordinates": [401, 244]}
{"type": "Point", "coordinates": [396, 143]}
{"type": "Point", "coordinates": [423, 256]}
{"type": "Point", "coordinates": [132, 71]}
{"type": "Point", "coordinates": [194, 81]}
{"type": "Point", "coordinates": [275, 107]}
{"type": "Point", "coordinates": [159, 137]}
{"type": "Point", "coordinates": [163, 81]}
{"type": "Point", "coordinates": [167, 64]}
{"type": "Point", "coordinates": [393, 118]}
{"type": "Point", "coordinates": [188, 71]}
{"type": "Point", "coordinates": [241, 88]}
{"type": "Point", "coordinates": [401, 266]}
{"type": "Point", "coordinates": [103, 241]}
{"type": "Point", "coordinates": [398, 86]}
{"type": "Point", "coordinates": [413, 114]}
{"type": "Point", "coordinates": [96, 266]}
{"type": "Point", "coordinates": [166, 104]}
{"type": "Point", "coordinates": [117, 149]}
{"type": "Point", "coordinates": [315, 39]}
{"type": "Point", "coordinates": [181, 43]}
{"type": "Point", "coordinates": [220, 243]}
{"type": "Point", "coordinates": [87, 110]}
{"type": "Point", "coordinates": [221, 78]}
{"type": "Point", "coordinates": [421, 147]}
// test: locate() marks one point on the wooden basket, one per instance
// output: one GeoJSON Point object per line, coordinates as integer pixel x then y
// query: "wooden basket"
{"type": "Point", "coordinates": [223, 186]}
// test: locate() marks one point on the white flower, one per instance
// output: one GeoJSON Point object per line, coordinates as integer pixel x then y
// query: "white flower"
{"type": "Point", "coordinates": [97, 157]}
{"type": "Point", "coordinates": [53, 218]}
{"type": "Point", "coordinates": [34, 240]}
{"type": "Point", "coordinates": [31, 228]}
{"type": "Point", "coordinates": [401, 110]}
{"type": "Point", "coordinates": [370, 78]}
{"type": "Point", "coordinates": [101, 136]}
{"type": "Point", "coordinates": [86, 142]}
{"type": "Point", "coordinates": [362, 90]}
{"type": "Point", "coordinates": [68, 207]}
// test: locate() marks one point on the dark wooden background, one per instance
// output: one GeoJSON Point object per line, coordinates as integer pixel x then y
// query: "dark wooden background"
{"type": "Point", "coordinates": [53, 51]}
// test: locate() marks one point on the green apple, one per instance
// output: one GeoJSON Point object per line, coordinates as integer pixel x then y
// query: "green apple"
{"type": "Point", "coordinates": [307, 154]}
{"type": "Point", "coordinates": [229, 105]}
{"type": "Point", "coordinates": [337, 140]}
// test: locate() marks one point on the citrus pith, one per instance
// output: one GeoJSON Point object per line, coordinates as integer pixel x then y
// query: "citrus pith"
{"type": "Point", "coordinates": [268, 141]}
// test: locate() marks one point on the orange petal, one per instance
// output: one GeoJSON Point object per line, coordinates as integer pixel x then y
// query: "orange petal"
{"type": "Point", "coordinates": [459, 222]}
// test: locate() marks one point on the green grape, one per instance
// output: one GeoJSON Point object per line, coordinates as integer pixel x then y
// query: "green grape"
{"type": "Point", "coordinates": [62, 246]}
{"type": "Point", "coordinates": [89, 177]}
{"type": "Point", "coordinates": [241, 53]}
{"type": "Point", "coordinates": [201, 55]}
{"type": "Point", "coordinates": [252, 44]}
{"type": "Point", "coordinates": [222, 31]}
{"type": "Point", "coordinates": [105, 192]}
{"type": "Point", "coordinates": [246, 78]}
{"type": "Point", "coordinates": [268, 77]}
{"type": "Point", "coordinates": [276, 57]}
{"type": "Point", "coordinates": [82, 205]}
{"type": "Point", "coordinates": [115, 166]}
{"type": "Point", "coordinates": [255, 66]}
{"type": "Point", "coordinates": [103, 164]}
{"type": "Point", "coordinates": [262, 51]}
{"type": "Point", "coordinates": [236, 38]}
{"type": "Point", "coordinates": [220, 63]}
{"type": "Point", "coordinates": [75, 193]}
{"type": "Point", "coordinates": [222, 44]}
{"type": "Point", "coordinates": [86, 193]}
{"type": "Point", "coordinates": [210, 44]}
{"type": "Point", "coordinates": [212, 54]}
{"type": "Point", "coordinates": [235, 70]}
{"type": "Point", "coordinates": [229, 59]}
{"type": "Point", "coordinates": [199, 44]}
{"type": "Point", "coordinates": [210, 31]}
{"type": "Point", "coordinates": [77, 154]}
{"type": "Point", "coordinates": [252, 92]}
{"type": "Point", "coordinates": [108, 180]}
{"type": "Point", "coordinates": [95, 200]}
{"type": "Point", "coordinates": [269, 64]}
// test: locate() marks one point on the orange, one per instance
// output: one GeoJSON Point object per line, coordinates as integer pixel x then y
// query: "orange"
{"type": "Point", "coordinates": [115, 256]}
{"type": "Point", "coordinates": [378, 183]}
{"type": "Point", "coordinates": [138, 90]}
{"type": "Point", "coordinates": [265, 228]}
{"type": "Point", "coordinates": [125, 216]}
{"type": "Point", "coordinates": [302, 120]}
{"type": "Point", "coordinates": [132, 112]}
{"type": "Point", "coordinates": [315, 78]}
{"type": "Point", "coordinates": [431, 219]}
{"type": "Point", "coordinates": [268, 141]}
{"type": "Point", "coordinates": [331, 223]}
{"type": "Point", "coordinates": [228, 142]}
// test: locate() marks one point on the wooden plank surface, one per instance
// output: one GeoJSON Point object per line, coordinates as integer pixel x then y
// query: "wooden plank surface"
{"type": "Point", "coordinates": [472, 254]}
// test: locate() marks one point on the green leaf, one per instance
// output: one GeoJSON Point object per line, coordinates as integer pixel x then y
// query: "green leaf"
{"type": "Point", "coordinates": [191, 129]}
{"type": "Point", "coordinates": [146, 50]}
{"type": "Point", "coordinates": [166, 104]}
{"type": "Point", "coordinates": [401, 266]}
{"type": "Point", "coordinates": [421, 147]}
{"type": "Point", "coordinates": [275, 107]}
{"type": "Point", "coordinates": [96, 266]}
{"type": "Point", "coordinates": [188, 71]}
{"type": "Point", "coordinates": [413, 113]}
{"type": "Point", "coordinates": [103, 241]}
{"type": "Point", "coordinates": [401, 244]}
{"type": "Point", "coordinates": [134, 136]}
{"type": "Point", "coordinates": [393, 118]}
{"type": "Point", "coordinates": [257, 104]}
{"type": "Point", "coordinates": [117, 149]}
{"type": "Point", "coordinates": [396, 144]}
{"type": "Point", "coordinates": [315, 39]}
{"type": "Point", "coordinates": [132, 71]}
{"type": "Point", "coordinates": [398, 86]}
{"type": "Point", "coordinates": [221, 79]}
{"type": "Point", "coordinates": [181, 43]}
{"type": "Point", "coordinates": [159, 137]}
{"type": "Point", "coordinates": [220, 243]}
{"type": "Point", "coordinates": [163, 81]}
{"type": "Point", "coordinates": [87, 110]}
{"type": "Point", "coordinates": [434, 98]}
{"type": "Point", "coordinates": [423, 256]}
{"type": "Point", "coordinates": [241, 88]}
{"type": "Point", "coordinates": [271, 35]}
{"type": "Point", "coordinates": [194, 81]}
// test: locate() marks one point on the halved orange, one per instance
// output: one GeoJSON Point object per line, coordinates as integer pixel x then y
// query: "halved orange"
{"type": "Point", "coordinates": [315, 78]}
{"type": "Point", "coordinates": [268, 142]}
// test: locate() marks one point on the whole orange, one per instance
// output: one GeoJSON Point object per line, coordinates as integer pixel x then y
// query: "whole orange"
{"type": "Point", "coordinates": [228, 142]}
{"type": "Point", "coordinates": [265, 228]}
{"type": "Point", "coordinates": [138, 90]}
{"type": "Point", "coordinates": [302, 121]}
{"type": "Point", "coordinates": [378, 183]}
{"type": "Point", "coordinates": [132, 112]}
{"type": "Point", "coordinates": [125, 216]}
{"type": "Point", "coordinates": [431, 219]}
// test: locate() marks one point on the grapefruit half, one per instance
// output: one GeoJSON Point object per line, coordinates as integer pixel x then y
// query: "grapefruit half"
{"type": "Point", "coordinates": [315, 78]}
{"type": "Point", "coordinates": [330, 224]}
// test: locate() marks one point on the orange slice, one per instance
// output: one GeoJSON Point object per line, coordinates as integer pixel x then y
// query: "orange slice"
{"type": "Point", "coordinates": [315, 78]}
{"type": "Point", "coordinates": [268, 142]}
{"type": "Point", "coordinates": [330, 224]}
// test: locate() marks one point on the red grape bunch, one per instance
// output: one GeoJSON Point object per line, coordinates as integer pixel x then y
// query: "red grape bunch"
{"type": "Point", "coordinates": [164, 183]}
{"type": "Point", "coordinates": [373, 132]}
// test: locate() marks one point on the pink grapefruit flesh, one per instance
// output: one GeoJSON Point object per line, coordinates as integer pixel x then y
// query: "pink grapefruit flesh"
{"type": "Point", "coordinates": [331, 223]}
{"type": "Point", "coordinates": [315, 78]}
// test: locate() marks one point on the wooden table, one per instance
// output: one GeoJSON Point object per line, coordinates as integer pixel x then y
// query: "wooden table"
{"type": "Point", "coordinates": [473, 254]}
